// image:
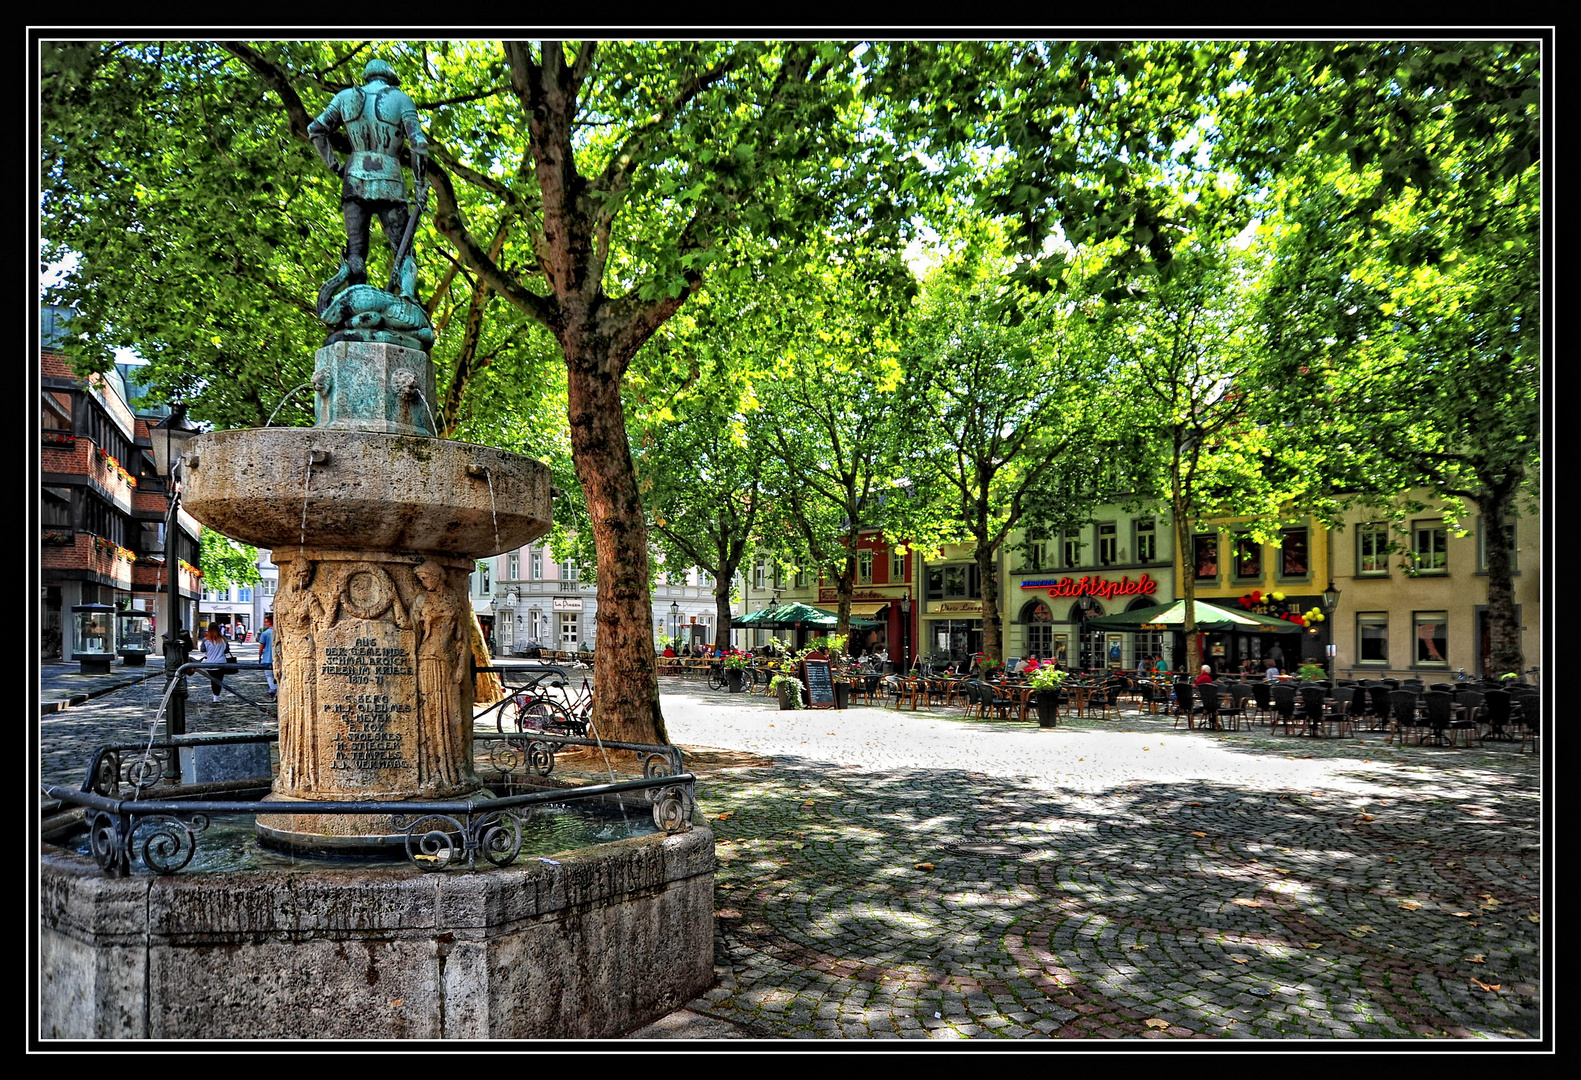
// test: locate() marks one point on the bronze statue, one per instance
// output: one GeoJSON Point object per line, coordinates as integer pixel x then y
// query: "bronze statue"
{"type": "Point", "coordinates": [377, 118]}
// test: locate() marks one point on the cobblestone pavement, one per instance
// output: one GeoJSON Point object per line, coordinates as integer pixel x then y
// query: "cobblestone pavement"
{"type": "Point", "coordinates": [922, 876]}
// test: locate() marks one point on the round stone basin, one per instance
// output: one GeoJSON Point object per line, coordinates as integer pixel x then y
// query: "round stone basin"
{"type": "Point", "coordinates": [275, 487]}
{"type": "Point", "coordinates": [227, 845]}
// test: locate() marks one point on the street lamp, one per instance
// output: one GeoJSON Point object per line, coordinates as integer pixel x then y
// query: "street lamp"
{"type": "Point", "coordinates": [675, 621]}
{"type": "Point", "coordinates": [1330, 598]}
{"type": "Point", "coordinates": [905, 634]}
{"type": "Point", "coordinates": [169, 438]}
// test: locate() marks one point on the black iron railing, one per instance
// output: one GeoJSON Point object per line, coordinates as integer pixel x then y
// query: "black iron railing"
{"type": "Point", "coordinates": [439, 834]}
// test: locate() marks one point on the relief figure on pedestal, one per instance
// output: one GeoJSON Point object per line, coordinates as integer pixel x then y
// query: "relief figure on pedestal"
{"type": "Point", "coordinates": [444, 720]}
{"type": "Point", "coordinates": [297, 610]}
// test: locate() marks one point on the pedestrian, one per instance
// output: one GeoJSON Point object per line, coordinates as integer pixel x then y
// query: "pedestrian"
{"type": "Point", "coordinates": [266, 654]}
{"type": "Point", "coordinates": [216, 650]}
{"type": "Point", "coordinates": [1276, 657]}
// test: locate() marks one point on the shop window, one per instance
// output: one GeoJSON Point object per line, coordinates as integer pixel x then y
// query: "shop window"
{"type": "Point", "coordinates": [897, 566]}
{"type": "Point", "coordinates": [1372, 549]}
{"type": "Point", "coordinates": [1206, 552]}
{"type": "Point", "coordinates": [1372, 637]}
{"type": "Point", "coordinates": [1293, 553]}
{"type": "Point", "coordinates": [1108, 543]}
{"type": "Point", "coordinates": [864, 568]}
{"type": "Point", "coordinates": [1146, 541]}
{"type": "Point", "coordinates": [1432, 638]}
{"type": "Point", "coordinates": [1248, 557]}
{"type": "Point", "coordinates": [569, 626]}
{"type": "Point", "coordinates": [1429, 547]}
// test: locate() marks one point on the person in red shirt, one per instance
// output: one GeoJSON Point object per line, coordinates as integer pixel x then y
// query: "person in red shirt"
{"type": "Point", "coordinates": [669, 652]}
{"type": "Point", "coordinates": [1205, 677]}
{"type": "Point", "coordinates": [1030, 663]}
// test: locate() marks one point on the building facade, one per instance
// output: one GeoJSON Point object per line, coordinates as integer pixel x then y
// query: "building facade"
{"type": "Point", "coordinates": [885, 592]}
{"type": "Point", "coordinates": [1279, 579]}
{"type": "Point", "coordinates": [1413, 592]}
{"type": "Point", "coordinates": [102, 505]}
{"type": "Point", "coordinates": [528, 599]}
{"type": "Point", "coordinates": [1051, 584]}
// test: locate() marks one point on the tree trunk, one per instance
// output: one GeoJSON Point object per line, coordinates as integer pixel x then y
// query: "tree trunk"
{"type": "Point", "coordinates": [722, 610]}
{"type": "Point", "coordinates": [844, 586]}
{"type": "Point", "coordinates": [625, 676]}
{"type": "Point", "coordinates": [992, 640]}
{"type": "Point", "coordinates": [1188, 590]}
{"type": "Point", "coordinates": [1504, 629]}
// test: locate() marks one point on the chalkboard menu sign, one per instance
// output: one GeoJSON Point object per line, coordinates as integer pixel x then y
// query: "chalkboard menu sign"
{"type": "Point", "coordinates": [820, 689]}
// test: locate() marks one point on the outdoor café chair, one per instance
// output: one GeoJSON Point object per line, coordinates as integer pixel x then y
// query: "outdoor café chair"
{"type": "Point", "coordinates": [1440, 708]}
{"type": "Point", "coordinates": [1379, 693]}
{"type": "Point", "coordinates": [1183, 710]}
{"type": "Point", "coordinates": [1263, 701]}
{"type": "Point", "coordinates": [1496, 713]}
{"type": "Point", "coordinates": [1284, 698]}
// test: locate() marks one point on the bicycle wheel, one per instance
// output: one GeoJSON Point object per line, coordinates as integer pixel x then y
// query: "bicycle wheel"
{"type": "Point", "coordinates": [717, 679]}
{"type": "Point", "coordinates": [541, 714]}
{"type": "Point", "coordinates": [507, 718]}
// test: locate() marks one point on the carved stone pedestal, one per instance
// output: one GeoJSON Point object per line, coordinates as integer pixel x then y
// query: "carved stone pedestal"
{"type": "Point", "coordinates": [375, 690]}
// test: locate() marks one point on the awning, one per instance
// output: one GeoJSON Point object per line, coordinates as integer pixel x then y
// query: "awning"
{"type": "Point", "coordinates": [866, 610]}
{"type": "Point", "coordinates": [1209, 617]}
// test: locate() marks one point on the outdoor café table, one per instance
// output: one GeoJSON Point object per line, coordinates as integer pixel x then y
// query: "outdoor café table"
{"type": "Point", "coordinates": [1078, 693]}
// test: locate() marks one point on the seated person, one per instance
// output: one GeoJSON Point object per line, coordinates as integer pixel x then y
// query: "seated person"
{"type": "Point", "coordinates": [1206, 676]}
{"type": "Point", "coordinates": [1030, 663]}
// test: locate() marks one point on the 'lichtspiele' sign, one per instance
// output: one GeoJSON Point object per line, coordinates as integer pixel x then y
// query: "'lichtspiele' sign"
{"type": "Point", "coordinates": [1095, 587]}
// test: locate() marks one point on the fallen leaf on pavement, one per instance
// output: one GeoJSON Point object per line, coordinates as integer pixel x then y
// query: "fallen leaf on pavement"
{"type": "Point", "coordinates": [1363, 930]}
{"type": "Point", "coordinates": [1409, 905]}
{"type": "Point", "coordinates": [1193, 804]}
{"type": "Point", "coordinates": [1365, 817]}
{"type": "Point", "coordinates": [1199, 834]}
{"type": "Point", "coordinates": [1534, 917]}
{"type": "Point", "coordinates": [725, 816]}
{"type": "Point", "coordinates": [1248, 903]}
{"type": "Point", "coordinates": [1461, 914]}
{"type": "Point", "coordinates": [924, 866]}
{"type": "Point", "coordinates": [396, 1003]}
{"type": "Point", "coordinates": [1478, 959]}
{"type": "Point", "coordinates": [1240, 960]}
{"type": "Point", "coordinates": [1138, 946]}
{"type": "Point", "coordinates": [1485, 986]}
{"type": "Point", "coordinates": [1156, 1023]}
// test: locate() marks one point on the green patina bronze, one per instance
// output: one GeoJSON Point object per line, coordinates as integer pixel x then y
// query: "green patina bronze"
{"type": "Point", "coordinates": [380, 122]}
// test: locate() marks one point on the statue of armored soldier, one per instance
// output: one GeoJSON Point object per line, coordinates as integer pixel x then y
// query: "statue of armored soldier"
{"type": "Point", "coordinates": [378, 119]}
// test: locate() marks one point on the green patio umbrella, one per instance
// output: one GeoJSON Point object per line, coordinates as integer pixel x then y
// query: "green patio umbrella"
{"type": "Point", "coordinates": [1172, 616]}
{"type": "Point", "coordinates": [784, 616]}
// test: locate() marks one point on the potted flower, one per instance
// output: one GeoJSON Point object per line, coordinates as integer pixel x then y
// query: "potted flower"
{"type": "Point", "coordinates": [736, 667]}
{"type": "Point", "coordinates": [1311, 672]}
{"type": "Point", "coordinates": [789, 690]}
{"type": "Point", "coordinates": [1045, 683]}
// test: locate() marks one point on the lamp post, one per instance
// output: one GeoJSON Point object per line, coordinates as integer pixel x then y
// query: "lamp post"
{"type": "Point", "coordinates": [1330, 605]}
{"type": "Point", "coordinates": [675, 621]}
{"type": "Point", "coordinates": [905, 634]}
{"type": "Point", "coordinates": [169, 437]}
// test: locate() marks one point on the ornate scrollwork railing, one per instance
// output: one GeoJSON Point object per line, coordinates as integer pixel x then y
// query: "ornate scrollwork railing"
{"type": "Point", "coordinates": [439, 834]}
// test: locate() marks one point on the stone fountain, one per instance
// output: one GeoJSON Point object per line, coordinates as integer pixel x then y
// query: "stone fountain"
{"type": "Point", "coordinates": [376, 524]}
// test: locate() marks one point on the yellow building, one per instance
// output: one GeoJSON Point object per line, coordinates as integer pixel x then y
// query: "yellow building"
{"type": "Point", "coordinates": [1414, 592]}
{"type": "Point", "coordinates": [1230, 567]}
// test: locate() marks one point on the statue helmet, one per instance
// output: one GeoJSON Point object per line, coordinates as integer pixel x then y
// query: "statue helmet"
{"type": "Point", "coordinates": [378, 69]}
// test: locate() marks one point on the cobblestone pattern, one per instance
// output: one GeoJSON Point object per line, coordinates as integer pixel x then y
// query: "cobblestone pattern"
{"type": "Point", "coordinates": [1168, 884]}
{"type": "Point", "coordinates": [1173, 884]}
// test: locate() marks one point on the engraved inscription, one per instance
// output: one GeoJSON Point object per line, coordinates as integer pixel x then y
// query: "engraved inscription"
{"type": "Point", "coordinates": [365, 739]}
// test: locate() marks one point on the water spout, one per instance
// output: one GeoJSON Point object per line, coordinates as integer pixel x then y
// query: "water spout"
{"type": "Point", "coordinates": [288, 396]}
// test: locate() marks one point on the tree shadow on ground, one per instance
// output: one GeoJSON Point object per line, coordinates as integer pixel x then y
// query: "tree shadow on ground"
{"type": "Point", "coordinates": [853, 899]}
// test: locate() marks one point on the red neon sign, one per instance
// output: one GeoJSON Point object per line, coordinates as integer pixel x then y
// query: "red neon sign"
{"type": "Point", "coordinates": [1097, 588]}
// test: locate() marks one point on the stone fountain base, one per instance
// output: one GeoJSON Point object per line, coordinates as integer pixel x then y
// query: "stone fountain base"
{"type": "Point", "coordinates": [608, 940]}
